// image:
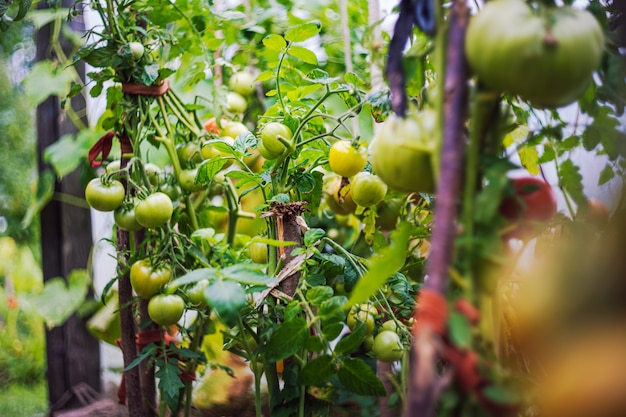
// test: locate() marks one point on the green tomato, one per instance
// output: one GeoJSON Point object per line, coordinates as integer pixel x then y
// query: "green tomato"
{"type": "Point", "coordinates": [387, 213]}
{"type": "Point", "coordinates": [367, 189]}
{"type": "Point", "coordinates": [189, 154]}
{"type": "Point", "coordinates": [148, 280]}
{"type": "Point", "coordinates": [233, 129]}
{"type": "Point", "coordinates": [339, 204]}
{"type": "Point", "coordinates": [404, 152]}
{"type": "Point", "coordinates": [345, 159]}
{"type": "Point", "coordinates": [265, 153]}
{"type": "Point", "coordinates": [136, 50]}
{"type": "Point", "coordinates": [171, 190]}
{"type": "Point", "coordinates": [113, 166]}
{"type": "Point", "coordinates": [104, 196]}
{"type": "Point", "coordinates": [153, 172]}
{"type": "Point", "coordinates": [258, 252]}
{"type": "Point", "coordinates": [166, 309]}
{"type": "Point", "coordinates": [196, 293]}
{"type": "Point", "coordinates": [368, 342]}
{"type": "Point", "coordinates": [125, 218]}
{"type": "Point", "coordinates": [187, 180]}
{"type": "Point", "coordinates": [270, 134]}
{"type": "Point", "coordinates": [236, 103]}
{"type": "Point", "coordinates": [389, 325]}
{"type": "Point", "coordinates": [546, 58]}
{"type": "Point", "coordinates": [362, 313]}
{"type": "Point", "coordinates": [242, 82]}
{"type": "Point", "coordinates": [154, 211]}
{"type": "Point", "coordinates": [387, 346]}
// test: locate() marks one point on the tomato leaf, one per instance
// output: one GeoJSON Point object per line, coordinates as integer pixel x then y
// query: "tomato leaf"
{"type": "Point", "coordinates": [317, 371]}
{"type": "Point", "coordinates": [315, 344]}
{"type": "Point", "coordinates": [317, 295]}
{"type": "Point", "coordinates": [265, 76]}
{"type": "Point", "coordinates": [319, 76]}
{"type": "Point", "coordinates": [303, 54]}
{"type": "Point", "coordinates": [357, 377]}
{"type": "Point", "coordinates": [169, 382]}
{"type": "Point", "coordinates": [226, 298]}
{"type": "Point", "coordinates": [60, 298]}
{"type": "Point", "coordinates": [382, 265]}
{"type": "Point", "coordinates": [302, 33]}
{"type": "Point", "coordinates": [274, 42]}
{"type": "Point", "coordinates": [194, 276]}
{"type": "Point", "coordinates": [606, 175]}
{"type": "Point", "coordinates": [62, 153]}
{"type": "Point", "coordinates": [313, 235]}
{"type": "Point", "coordinates": [287, 339]}
{"type": "Point", "coordinates": [460, 329]}
{"type": "Point", "coordinates": [529, 157]}
{"type": "Point", "coordinates": [147, 352]}
{"type": "Point", "coordinates": [572, 182]}
{"type": "Point", "coordinates": [208, 169]}
{"type": "Point", "coordinates": [47, 79]}
{"type": "Point", "coordinates": [351, 342]}
{"type": "Point", "coordinates": [501, 394]}
{"type": "Point", "coordinates": [247, 274]}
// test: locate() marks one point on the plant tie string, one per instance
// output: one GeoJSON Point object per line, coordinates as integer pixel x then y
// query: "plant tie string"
{"type": "Point", "coordinates": [102, 148]}
{"type": "Point", "coordinates": [432, 312]}
{"type": "Point", "coordinates": [137, 89]}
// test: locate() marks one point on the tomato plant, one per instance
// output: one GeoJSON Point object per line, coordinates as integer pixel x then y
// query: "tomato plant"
{"type": "Point", "coordinates": [166, 309]}
{"type": "Point", "coordinates": [147, 279]}
{"type": "Point", "coordinates": [104, 195]}
{"type": "Point", "coordinates": [281, 238]}
{"type": "Point", "coordinates": [346, 160]}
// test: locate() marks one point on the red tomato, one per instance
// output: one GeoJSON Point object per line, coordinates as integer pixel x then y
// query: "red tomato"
{"type": "Point", "coordinates": [533, 202]}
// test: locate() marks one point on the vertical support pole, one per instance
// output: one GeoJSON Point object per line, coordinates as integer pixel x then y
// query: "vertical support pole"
{"type": "Point", "coordinates": [72, 354]}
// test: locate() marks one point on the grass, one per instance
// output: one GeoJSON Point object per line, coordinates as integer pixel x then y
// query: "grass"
{"type": "Point", "coordinates": [24, 400]}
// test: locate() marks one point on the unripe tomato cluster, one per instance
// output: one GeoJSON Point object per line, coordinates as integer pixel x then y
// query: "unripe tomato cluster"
{"type": "Point", "coordinates": [386, 344]}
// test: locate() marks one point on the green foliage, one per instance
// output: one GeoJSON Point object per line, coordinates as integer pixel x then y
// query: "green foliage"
{"type": "Point", "coordinates": [17, 162]}
{"type": "Point", "coordinates": [33, 400]}
{"type": "Point", "coordinates": [321, 259]}
{"type": "Point", "coordinates": [59, 299]}
{"type": "Point", "coordinates": [22, 339]}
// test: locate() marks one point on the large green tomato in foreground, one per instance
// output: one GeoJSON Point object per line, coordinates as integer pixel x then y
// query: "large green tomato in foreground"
{"type": "Point", "coordinates": [404, 152]}
{"type": "Point", "coordinates": [546, 56]}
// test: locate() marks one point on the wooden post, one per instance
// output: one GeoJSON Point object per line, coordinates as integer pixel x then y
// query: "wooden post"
{"type": "Point", "coordinates": [73, 355]}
